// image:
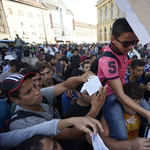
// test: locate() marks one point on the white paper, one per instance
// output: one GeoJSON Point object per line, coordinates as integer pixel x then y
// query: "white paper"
{"type": "Point", "coordinates": [138, 28]}
{"type": "Point", "coordinates": [98, 143]}
{"type": "Point", "coordinates": [93, 85]}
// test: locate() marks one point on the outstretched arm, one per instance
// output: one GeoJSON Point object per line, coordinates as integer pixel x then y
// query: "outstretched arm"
{"type": "Point", "coordinates": [118, 91]}
{"type": "Point", "coordinates": [113, 144]}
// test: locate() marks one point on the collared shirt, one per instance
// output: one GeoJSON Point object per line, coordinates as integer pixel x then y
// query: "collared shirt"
{"type": "Point", "coordinates": [108, 68]}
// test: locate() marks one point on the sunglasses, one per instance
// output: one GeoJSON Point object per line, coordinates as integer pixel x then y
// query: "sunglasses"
{"type": "Point", "coordinates": [126, 44]}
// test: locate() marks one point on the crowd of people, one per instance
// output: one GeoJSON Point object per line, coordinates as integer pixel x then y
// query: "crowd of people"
{"type": "Point", "coordinates": [42, 106]}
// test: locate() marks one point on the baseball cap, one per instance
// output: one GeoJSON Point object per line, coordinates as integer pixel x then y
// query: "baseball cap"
{"type": "Point", "coordinates": [83, 57]}
{"type": "Point", "coordinates": [39, 55]}
{"type": "Point", "coordinates": [9, 57]}
{"type": "Point", "coordinates": [49, 57]}
{"type": "Point", "coordinates": [13, 82]}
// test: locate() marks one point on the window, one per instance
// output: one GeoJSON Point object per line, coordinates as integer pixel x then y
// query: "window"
{"type": "Point", "coordinates": [30, 15]}
{"type": "Point", "coordinates": [112, 10]}
{"type": "Point", "coordinates": [21, 23]}
{"type": "Point", "coordinates": [0, 17]}
{"type": "Point", "coordinates": [106, 13]}
{"type": "Point", "coordinates": [105, 34]}
{"type": "Point", "coordinates": [9, 10]}
{"type": "Point", "coordinates": [2, 29]}
{"type": "Point", "coordinates": [19, 12]}
{"type": "Point", "coordinates": [101, 15]}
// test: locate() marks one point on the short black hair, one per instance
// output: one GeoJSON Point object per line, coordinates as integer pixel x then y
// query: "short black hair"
{"type": "Point", "coordinates": [13, 62]}
{"type": "Point", "coordinates": [76, 50]}
{"type": "Point", "coordinates": [33, 143]}
{"type": "Point", "coordinates": [42, 49]}
{"type": "Point", "coordinates": [120, 26]}
{"type": "Point", "coordinates": [56, 53]}
{"type": "Point", "coordinates": [136, 62]}
{"type": "Point", "coordinates": [86, 62]}
{"type": "Point", "coordinates": [93, 55]}
{"type": "Point", "coordinates": [21, 65]}
{"type": "Point", "coordinates": [135, 56]}
{"type": "Point", "coordinates": [28, 70]}
{"type": "Point", "coordinates": [78, 72]}
{"type": "Point", "coordinates": [133, 90]}
{"type": "Point", "coordinates": [41, 65]}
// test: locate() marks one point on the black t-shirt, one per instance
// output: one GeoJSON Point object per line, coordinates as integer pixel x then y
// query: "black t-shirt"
{"type": "Point", "coordinates": [75, 110]}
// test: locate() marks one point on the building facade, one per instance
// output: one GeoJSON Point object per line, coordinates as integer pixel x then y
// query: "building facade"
{"type": "Point", "coordinates": [4, 30]}
{"type": "Point", "coordinates": [62, 20]}
{"type": "Point", "coordinates": [39, 21]}
{"type": "Point", "coordinates": [85, 33]}
{"type": "Point", "coordinates": [107, 13]}
{"type": "Point", "coordinates": [29, 19]}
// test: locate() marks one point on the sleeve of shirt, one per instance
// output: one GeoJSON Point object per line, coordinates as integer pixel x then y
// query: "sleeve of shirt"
{"type": "Point", "coordinates": [48, 93]}
{"type": "Point", "coordinates": [110, 68]}
{"type": "Point", "coordinates": [11, 139]}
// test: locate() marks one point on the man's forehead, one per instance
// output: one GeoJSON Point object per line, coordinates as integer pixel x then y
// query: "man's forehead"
{"type": "Point", "coordinates": [45, 70]}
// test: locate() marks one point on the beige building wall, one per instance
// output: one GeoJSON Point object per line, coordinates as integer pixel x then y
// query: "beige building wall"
{"type": "Point", "coordinates": [4, 31]}
{"type": "Point", "coordinates": [29, 19]}
{"type": "Point", "coordinates": [107, 13]}
{"type": "Point", "coordinates": [85, 33]}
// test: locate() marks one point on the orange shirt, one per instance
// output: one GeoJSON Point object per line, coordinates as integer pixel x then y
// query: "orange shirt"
{"type": "Point", "coordinates": [133, 124]}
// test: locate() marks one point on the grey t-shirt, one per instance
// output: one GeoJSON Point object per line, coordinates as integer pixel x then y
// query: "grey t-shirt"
{"type": "Point", "coordinates": [48, 114]}
{"type": "Point", "coordinates": [5, 74]}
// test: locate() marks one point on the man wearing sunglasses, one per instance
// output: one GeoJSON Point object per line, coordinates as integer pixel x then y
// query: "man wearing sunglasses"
{"type": "Point", "coordinates": [113, 72]}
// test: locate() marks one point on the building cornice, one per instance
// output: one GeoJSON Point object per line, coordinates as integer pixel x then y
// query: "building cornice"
{"type": "Point", "coordinates": [30, 3]}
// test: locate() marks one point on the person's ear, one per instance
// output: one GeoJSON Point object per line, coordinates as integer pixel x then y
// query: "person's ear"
{"type": "Point", "coordinates": [113, 40]}
{"type": "Point", "coordinates": [78, 93]}
{"type": "Point", "coordinates": [14, 100]}
{"type": "Point", "coordinates": [131, 69]}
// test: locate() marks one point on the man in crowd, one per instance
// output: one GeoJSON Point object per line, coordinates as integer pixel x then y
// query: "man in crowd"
{"type": "Point", "coordinates": [7, 58]}
{"type": "Point", "coordinates": [51, 60]}
{"type": "Point", "coordinates": [86, 66]}
{"type": "Point", "coordinates": [18, 42]}
{"type": "Point", "coordinates": [75, 59]}
{"type": "Point", "coordinates": [40, 57]}
{"type": "Point", "coordinates": [11, 71]}
{"type": "Point", "coordinates": [23, 91]}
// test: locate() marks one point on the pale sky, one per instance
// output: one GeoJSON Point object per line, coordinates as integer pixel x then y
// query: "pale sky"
{"type": "Point", "coordinates": [83, 10]}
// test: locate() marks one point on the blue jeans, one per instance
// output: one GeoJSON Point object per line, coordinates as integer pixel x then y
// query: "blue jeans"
{"type": "Point", "coordinates": [113, 113]}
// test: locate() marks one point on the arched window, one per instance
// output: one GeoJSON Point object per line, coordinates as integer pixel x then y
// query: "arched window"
{"type": "Point", "coordinates": [105, 34]}
{"type": "Point", "coordinates": [106, 13]}
{"type": "Point", "coordinates": [112, 10]}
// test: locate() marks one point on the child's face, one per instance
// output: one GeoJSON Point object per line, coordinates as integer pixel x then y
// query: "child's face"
{"type": "Point", "coordinates": [130, 111]}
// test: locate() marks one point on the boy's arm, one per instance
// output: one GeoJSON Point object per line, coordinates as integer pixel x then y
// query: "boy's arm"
{"type": "Point", "coordinates": [113, 144]}
{"type": "Point", "coordinates": [97, 103]}
{"type": "Point", "coordinates": [118, 91]}
{"type": "Point", "coordinates": [71, 83]}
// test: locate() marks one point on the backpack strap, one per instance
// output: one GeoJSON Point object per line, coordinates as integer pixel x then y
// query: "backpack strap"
{"type": "Point", "coordinates": [109, 54]}
{"type": "Point", "coordinates": [23, 114]}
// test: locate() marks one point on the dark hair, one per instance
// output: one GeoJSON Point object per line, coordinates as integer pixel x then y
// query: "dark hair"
{"type": "Point", "coordinates": [33, 143]}
{"type": "Point", "coordinates": [13, 62]}
{"type": "Point", "coordinates": [76, 50]}
{"type": "Point", "coordinates": [28, 70]}
{"type": "Point", "coordinates": [91, 57]}
{"type": "Point", "coordinates": [21, 65]}
{"type": "Point", "coordinates": [120, 26]}
{"type": "Point", "coordinates": [135, 56]}
{"type": "Point", "coordinates": [56, 53]}
{"type": "Point", "coordinates": [136, 62]}
{"type": "Point", "coordinates": [133, 90]}
{"type": "Point", "coordinates": [42, 49]}
{"type": "Point", "coordinates": [86, 62]}
{"type": "Point", "coordinates": [41, 66]}
{"type": "Point", "coordinates": [15, 94]}
{"type": "Point", "coordinates": [77, 72]}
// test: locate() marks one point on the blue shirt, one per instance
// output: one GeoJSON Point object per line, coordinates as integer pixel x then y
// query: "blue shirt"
{"type": "Point", "coordinates": [5, 113]}
{"type": "Point", "coordinates": [7, 67]}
